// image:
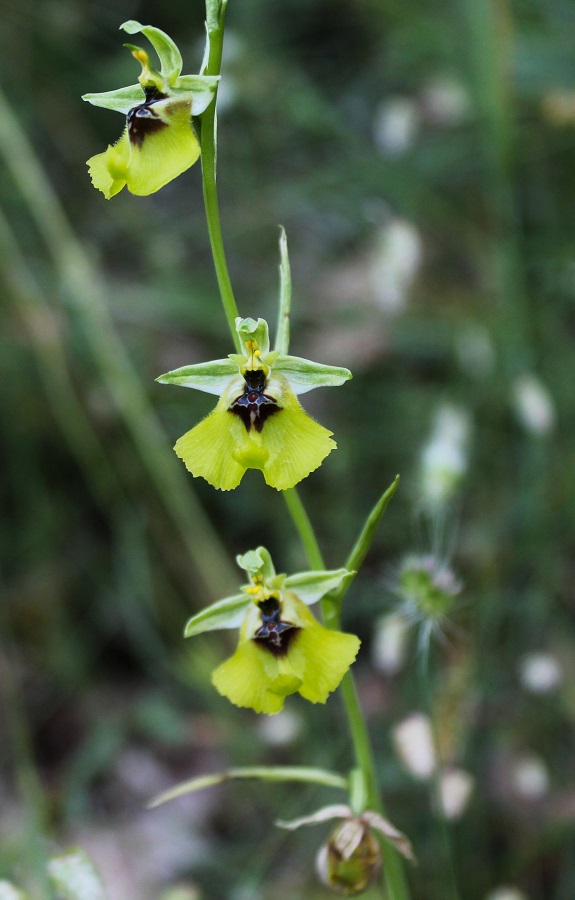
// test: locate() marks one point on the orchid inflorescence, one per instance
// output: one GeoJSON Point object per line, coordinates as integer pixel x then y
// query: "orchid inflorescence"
{"type": "Point", "coordinates": [258, 423]}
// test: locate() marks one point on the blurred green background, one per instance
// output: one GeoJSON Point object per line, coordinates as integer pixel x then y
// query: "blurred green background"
{"type": "Point", "coordinates": [421, 156]}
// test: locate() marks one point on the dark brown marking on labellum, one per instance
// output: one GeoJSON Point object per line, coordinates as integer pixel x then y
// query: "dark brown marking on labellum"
{"type": "Point", "coordinates": [143, 120]}
{"type": "Point", "coordinates": [275, 635]}
{"type": "Point", "coordinates": [253, 406]}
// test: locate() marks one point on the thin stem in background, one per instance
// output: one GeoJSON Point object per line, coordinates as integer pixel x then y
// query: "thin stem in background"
{"type": "Point", "coordinates": [17, 736]}
{"type": "Point", "coordinates": [448, 867]}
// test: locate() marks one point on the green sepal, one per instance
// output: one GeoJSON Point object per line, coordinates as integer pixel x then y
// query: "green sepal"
{"type": "Point", "coordinates": [196, 84]}
{"type": "Point", "coordinates": [306, 774]}
{"type": "Point", "coordinates": [312, 586]}
{"type": "Point", "coordinates": [226, 613]}
{"type": "Point", "coordinates": [211, 377]}
{"type": "Point", "coordinates": [168, 53]}
{"type": "Point", "coordinates": [305, 375]}
{"type": "Point", "coordinates": [122, 100]}
{"type": "Point", "coordinates": [197, 89]}
{"type": "Point", "coordinates": [257, 562]}
{"type": "Point", "coordinates": [254, 330]}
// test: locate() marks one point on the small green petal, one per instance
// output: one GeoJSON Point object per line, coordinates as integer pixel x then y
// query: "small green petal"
{"type": "Point", "coordinates": [295, 442]}
{"type": "Point", "coordinates": [201, 89]}
{"type": "Point", "coordinates": [312, 586]}
{"type": "Point", "coordinates": [168, 53]}
{"type": "Point", "coordinates": [242, 679]}
{"type": "Point", "coordinates": [254, 330]}
{"type": "Point", "coordinates": [207, 450]}
{"type": "Point", "coordinates": [257, 562]}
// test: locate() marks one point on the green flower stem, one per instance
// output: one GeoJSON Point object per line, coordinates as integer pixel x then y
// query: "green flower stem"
{"type": "Point", "coordinates": [304, 528]}
{"type": "Point", "coordinates": [393, 869]}
{"type": "Point", "coordinates": [215, 15]}
{"type": "Point", "coordinates": [395, 881]}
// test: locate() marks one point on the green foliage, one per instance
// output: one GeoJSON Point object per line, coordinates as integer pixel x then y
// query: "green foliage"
{"type": "Point", "coordinates": [420, 158]}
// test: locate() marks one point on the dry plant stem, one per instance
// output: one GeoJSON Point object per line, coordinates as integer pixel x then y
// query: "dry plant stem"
{"type": "Point", "coordinates": [87, 297]}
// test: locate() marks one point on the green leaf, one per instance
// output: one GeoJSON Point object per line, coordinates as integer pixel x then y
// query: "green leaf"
{"type": "Point", "coordinates": [226, 613]}
{"type": "Point", "coordinates": [305, 375]}
{"type": "Point", "coordinates": [168, 53]}
{"type": "Point", "coordinates": [363, 542]}
{"type": "Point", "coordinates": [262, 773]}
{"type": "Point", "coordinates": [283, 329]}
{"type": "Point", "coordinates": [211, 377]}
{"type": "Point", "coordinates": [122, 100]}
{"type": "Point", "coordinates": [312, 586]}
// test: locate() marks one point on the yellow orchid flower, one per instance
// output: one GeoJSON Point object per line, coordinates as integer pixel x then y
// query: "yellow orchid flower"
{"type": "Point", "coordinates": [159, 141]}
{"type": "Point", "coordinates": [258, 422]}
{"type": "Point", "coordinates": [282, 648]}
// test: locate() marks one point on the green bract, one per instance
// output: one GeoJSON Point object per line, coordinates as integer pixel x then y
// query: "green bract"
{"type": "Point", "coordinates": [258, 422]}
{"type": "Point", "coordinates": [159, 141]}
{"type": "Point", "coordinates": [282, 648]}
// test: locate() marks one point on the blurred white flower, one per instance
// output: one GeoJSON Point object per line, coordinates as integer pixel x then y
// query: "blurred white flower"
{"type": "Point", "coordinates": [475, 351]}
{"type": "Point", "coordinates": [530, 777]}
{"type": "Point", "coordinates": [445, 101]}
{"type": "Point", "coordinates": [72, 874]}
{"type": "Point", "coordinates": [282, 729]}
{"type": "Point", "coordinates": [396, 125]}
{"type": "Point", "coordinates": [444, 457]}
{"type": "Point", "coordinates": [396, 261]}
{"type": "Point", "coordinates": [455, 787]}
{"type": "Point", "coordinates": [506, 893]}
{"type": "Point", "coordinates": [9, 892]}
{"type": "Point", "coordinates": [389, 643]}
{"type": "Point", "coordinates": [413, 739]}
{"type": "Point", "coordinates": [539, 672]}
{"type": "Point", "coordinates": [533, 405]}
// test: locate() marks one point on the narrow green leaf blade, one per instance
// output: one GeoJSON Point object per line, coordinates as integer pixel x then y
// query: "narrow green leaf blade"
{"type": "Point", "coordinates": [262, 773]}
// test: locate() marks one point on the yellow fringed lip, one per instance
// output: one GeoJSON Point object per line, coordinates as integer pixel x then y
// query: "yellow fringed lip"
{"type": "Point", "coordinates": [288, 447]}
{"type": "Point", "coordinates": [155, 147]}
{"type": "Point", "coordinates": [311, 662]}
